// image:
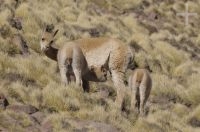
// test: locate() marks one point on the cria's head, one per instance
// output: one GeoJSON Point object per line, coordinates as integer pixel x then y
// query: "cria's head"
{"type": "Point", "coordinates": [99, 73]}
{"type": "Point", "coordinates": [47, 37]}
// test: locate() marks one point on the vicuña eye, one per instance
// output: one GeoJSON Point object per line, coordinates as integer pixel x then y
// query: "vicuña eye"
{"type": "Point", "coordinates": [43, 39]}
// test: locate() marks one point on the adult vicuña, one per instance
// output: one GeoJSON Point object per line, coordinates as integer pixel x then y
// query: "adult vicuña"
{"type": "Point", "coordinates": [99, 51]}
{"type": "Point", "coordinates": [140, 83]}
{"type": "Point", "coordinates": [72, 62]}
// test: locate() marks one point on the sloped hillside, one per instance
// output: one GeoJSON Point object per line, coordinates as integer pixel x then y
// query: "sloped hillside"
{"type": "Point", "coordinates": [32, 97]}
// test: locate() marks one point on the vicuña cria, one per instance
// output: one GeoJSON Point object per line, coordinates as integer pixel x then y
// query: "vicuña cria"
{"type": "Point", "coordinates": [140, 83]}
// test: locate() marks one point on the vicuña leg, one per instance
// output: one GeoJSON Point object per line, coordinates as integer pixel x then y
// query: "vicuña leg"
{"type": "Point", "coordinates": [63, 71]}
{"type": "Point", "coordinates": [78, 76]}
{"type": "Point", "coordinates": [142, 99]}
{"type": "Point", "coordinates": [134, 97]}
{"type": "Point", "coordinates": [118, 80]}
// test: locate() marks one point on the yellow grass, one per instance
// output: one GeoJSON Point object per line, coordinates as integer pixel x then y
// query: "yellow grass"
{"type": "Point", "coordinates": [33, 79]}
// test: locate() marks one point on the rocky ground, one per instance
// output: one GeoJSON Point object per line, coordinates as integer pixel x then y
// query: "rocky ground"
{"type": "Point", "coordinates": [32, 97]}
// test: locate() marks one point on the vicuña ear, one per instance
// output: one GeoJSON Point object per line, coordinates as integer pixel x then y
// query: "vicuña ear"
{"type": "Point", "coordinates": [45, 29]}
{"type": "Point", "coordinates": [55, 33]}
{"type": "Point", "coordinates": [103, 68]}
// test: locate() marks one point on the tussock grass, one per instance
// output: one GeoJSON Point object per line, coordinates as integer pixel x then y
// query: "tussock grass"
{"type": "Point", "coordinates": [193, 88]}
{"type": "Point", "coordinates": [5, 14]}
{"type": "Point", "coordinates": [171, 91]}
{"type": "Point", "coordinates": [181, 110]}
{"type": "Point", "coordinates": [126, 4]}
{"type": "Point", "coordinates": [167, 52]}
{"type": "Point", "coordinates": [8, 116]}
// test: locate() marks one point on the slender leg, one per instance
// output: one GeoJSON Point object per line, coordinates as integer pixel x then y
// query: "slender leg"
{"type": "Point", "coordinates": [133, 98]}
{"type": "Point", "coordinates": [137, 99]}
{"type": "Point", "coordinates": [63, 71]}
{"type": "Point", "coordinates": [142, 99]}
{"type": "Point", "coordinates": [147, 91]}
{"type": "Point", "coordinates": [70, 74]}
{"type": "Point", "coordinates": [118, 80]}
{"type": "Point", "coordinates": [133, 94]}
{"type": "Point", "coordinates": [78, 76]}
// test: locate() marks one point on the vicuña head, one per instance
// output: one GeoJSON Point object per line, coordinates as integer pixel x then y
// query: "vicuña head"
{"type": "Point", "coordinates": [46, 42]}
{"type": "Point", "coordinates": [48, 37]}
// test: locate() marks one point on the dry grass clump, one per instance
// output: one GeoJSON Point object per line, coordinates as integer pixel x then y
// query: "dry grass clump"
{"type": "Point", "coordinates": [71, 16]}
{"type": "Point", "coordinates": [173, 91]}
{"type": "Point", "coordinates": [126, 4]}
{"type": "Point", "coordinates": [168, 55]}
{"type": "Point", "coordinates": [25, 67]}
{"type": "Point", "coordinates": [184, 69]}
{"type": "Point", "coordinates": [193, 88]}
{"type": "Point", "coordinates": [5, 14]}
{"type": "Point", "coordinates": [159, 41]}
{"type": "Point", "coordinates": [13, 121]}
{"type": "Point", "coordinates": [60, 99]}
{"type": "Point", "coordinates": [181, 110]}
{"type": "Point", "coordinates": [194, 117]}
{"type": "Point", "coordinates": [143, 125]}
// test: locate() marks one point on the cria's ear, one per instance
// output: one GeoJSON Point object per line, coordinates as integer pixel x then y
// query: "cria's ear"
{"type": "Point", "coordinates": [49, 28]}
{"type": "Point", "coordinates": [55, 33]}
{"type": "Point", "coordinates": [92, 68]}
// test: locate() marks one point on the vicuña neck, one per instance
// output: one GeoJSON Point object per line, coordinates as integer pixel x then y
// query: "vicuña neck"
{"type": "Point", "coordinates": [52, 53]}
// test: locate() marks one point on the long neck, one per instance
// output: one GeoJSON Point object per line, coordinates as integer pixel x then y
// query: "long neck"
{"type": "Point", "coordinates": [52, 53]}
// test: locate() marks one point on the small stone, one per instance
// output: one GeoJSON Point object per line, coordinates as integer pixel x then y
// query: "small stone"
{"type": "Point", "coordinates": [28, 109]}
{"type": "Point", "coordinates": [3, 101]}
{"type": "Point", "coordinates": [194, 122]}
{"type": "Point", "coordinates": [38, 116]}
{"type": "Point", "coordinates": [16, 23]}
{"type": "Point", "coordinates": [47, 126]}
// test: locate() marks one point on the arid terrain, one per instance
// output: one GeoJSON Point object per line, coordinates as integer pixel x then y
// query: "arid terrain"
{"type": "Point", "coordinates": [32, 97]}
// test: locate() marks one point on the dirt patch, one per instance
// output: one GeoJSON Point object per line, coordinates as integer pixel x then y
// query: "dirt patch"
{"type": "Point", "coordinates": [13, 77]}
{"type": "Point", "coordinates": [28, 109]}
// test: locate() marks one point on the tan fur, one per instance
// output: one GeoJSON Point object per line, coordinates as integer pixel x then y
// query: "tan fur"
{"type": "Point", "coordinates": [73, 65]}
{"type": "Point", "coordinates": [72, 61]}
{"type": "Point", "coordinates": [140, 83]}
{"type": "Point", "coordinates": [97, 51]}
